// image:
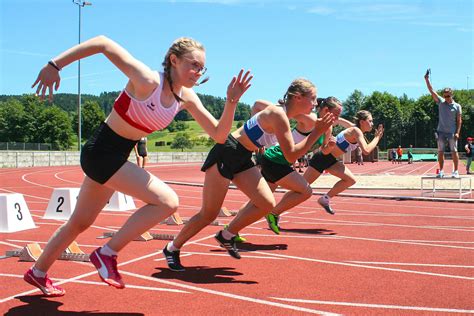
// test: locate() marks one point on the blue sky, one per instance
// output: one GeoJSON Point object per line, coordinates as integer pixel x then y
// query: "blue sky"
{"type": "Point", "coordinates": [340, 45]}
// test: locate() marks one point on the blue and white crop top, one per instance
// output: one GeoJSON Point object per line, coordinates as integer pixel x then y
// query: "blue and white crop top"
{"type": "Point", "coordinates": [257, 135]}
{"type": "Point", "coordinates": [343, 144]}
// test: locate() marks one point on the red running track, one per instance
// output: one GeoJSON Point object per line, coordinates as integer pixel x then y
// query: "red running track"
{"type": "Point", "coordinates": [373, 257]}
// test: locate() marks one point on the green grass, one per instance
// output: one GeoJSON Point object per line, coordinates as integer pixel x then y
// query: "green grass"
{"type": "Point", "coordinates": [194, 130]}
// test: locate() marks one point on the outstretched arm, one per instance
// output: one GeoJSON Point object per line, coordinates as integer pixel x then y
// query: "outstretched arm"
{"type": "Point", "coordinates": [367, 148]}
{"type": "Point", "coordinates": [292, 151]}
{"type": "Point", "coordinates": [140, 75]}
{"type": "Point", "coordinates": [433, 93]}
{"type": "Point", "coordinates": [218, 130]}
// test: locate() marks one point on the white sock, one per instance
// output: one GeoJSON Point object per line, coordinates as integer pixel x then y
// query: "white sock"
{"type": "Point", "coordinates": [38, 273]}
{"type": "Point", "coordinates": [107, 251]}
{"type": "Point", "coordinates": [227, 234]}
{"type": "Point", "coordinates": [326, 198]}
{"type": "Point", "coordinates": [171, 247]}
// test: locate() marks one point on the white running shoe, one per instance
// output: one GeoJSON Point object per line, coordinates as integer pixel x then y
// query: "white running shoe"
{"type": "Point", "coordinates": [455, 174]}
{"type": "Point", "coordinates": [440, 174]}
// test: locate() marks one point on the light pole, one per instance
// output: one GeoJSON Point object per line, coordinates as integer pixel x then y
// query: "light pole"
{"type": "Point", "coordinates": [80, 4]}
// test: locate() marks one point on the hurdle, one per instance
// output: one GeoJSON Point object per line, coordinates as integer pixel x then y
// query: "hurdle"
{"type": "Point", "coordinates": [31, 253]}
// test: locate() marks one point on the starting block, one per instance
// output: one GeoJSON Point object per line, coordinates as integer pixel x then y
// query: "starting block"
{"type": "Point", "coordinates": [224, 212]}
{"type": "Point", "coordinates": [14, 213]}
{"type": "Point", "coordinates": [120, 202]}
{"type": "Point", "coordinates": [31, 253]}
{"type": "Point", "coordinates": [62, 203]}
{"type": "Point", "coordinates": [144, 237]}
{"type": "Point", "coordinates": [174, 219]}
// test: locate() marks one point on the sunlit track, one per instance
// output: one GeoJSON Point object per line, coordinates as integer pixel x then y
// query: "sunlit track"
{"type": "Point", "coordinates": [411, 245]}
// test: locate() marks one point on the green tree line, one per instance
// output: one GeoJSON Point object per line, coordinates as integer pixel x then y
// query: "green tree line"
{"type": "Point", "coordinates": [407, 121]}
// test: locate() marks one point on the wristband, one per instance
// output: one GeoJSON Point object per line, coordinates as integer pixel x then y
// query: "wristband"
{"type": "Point", "coordinates": [53, 64]}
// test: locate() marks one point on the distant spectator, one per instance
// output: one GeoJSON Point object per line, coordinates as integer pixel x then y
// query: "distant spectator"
{"type": "Point", "coordinates": [393, 155]}
{"type": "Point", "coordinates": [469, 154]}
{"type": "Point", "coordinates": [449, 125]}
{"type": "Point", "coordinates": [410, 154]}
{"type": "Point", "coordinates": [399, 154]}
{"type": "Point", "coordinates": [359, 157]}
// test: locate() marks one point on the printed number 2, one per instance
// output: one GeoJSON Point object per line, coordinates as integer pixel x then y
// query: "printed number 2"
{"type": "Point", "coordinates": [60, 201]}
{"type": "Point", "coordinates": [18, 208]}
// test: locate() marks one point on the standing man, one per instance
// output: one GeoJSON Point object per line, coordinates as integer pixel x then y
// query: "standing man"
{"type": "Point", "coordinates": [449, 125]}
{"type": "Point", "coordinates": [469, 154]}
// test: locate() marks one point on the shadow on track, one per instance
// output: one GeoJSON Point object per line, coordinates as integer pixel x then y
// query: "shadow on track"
{"type": "Point", "coordinates": [202, 275]}
{"type": "Point", "coordinates": [40, 305]}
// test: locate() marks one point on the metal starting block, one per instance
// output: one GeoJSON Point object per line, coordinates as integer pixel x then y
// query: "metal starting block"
{"type": "Point", "coordinates": [31, 253]}
{"type": "Point", "coordinates": [143, 237]}
{"type": "Point", "coordinates": [224, 212]}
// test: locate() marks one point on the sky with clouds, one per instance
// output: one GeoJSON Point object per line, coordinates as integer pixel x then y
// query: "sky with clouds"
{"type": "Point", "coordinates": [341, 45]}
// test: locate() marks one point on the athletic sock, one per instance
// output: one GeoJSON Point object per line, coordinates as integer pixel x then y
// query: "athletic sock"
{"type": "Point", "coordinates": [107, 251]}
{"type": "Point", "coordinates": [227, 234]}
{"type": "Point", "coordinates": [38, 273]}
{"type": "Point", "coordinates": [171, 247]}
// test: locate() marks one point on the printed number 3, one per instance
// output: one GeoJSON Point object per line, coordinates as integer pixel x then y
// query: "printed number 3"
{"type": "Point", "coordinates": [18, 208]}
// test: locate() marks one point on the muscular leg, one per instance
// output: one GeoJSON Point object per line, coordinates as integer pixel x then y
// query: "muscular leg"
{"type": "Point", "coordinates": [299, 192]}
{"type": "Point", "coordinates": [252, 184]}
{"type": "Point", "coordinates": [91, 200]}
{"type": "Point", "coordinates": [214, 192]}
{"type": "Point", "coordinates": [346, 176]}
{"type": "Point", "coordinates": [161, 201]}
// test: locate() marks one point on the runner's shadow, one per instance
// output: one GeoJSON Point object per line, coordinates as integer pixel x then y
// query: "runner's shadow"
{"type": "Point", "coordinates": [312, 231]}
{"type": "Point", "coordinates": [40, 305]}
{"type": "Point", "coordinates": [202, 275]}
{"type": "Point", "coordinates": [248, 246]}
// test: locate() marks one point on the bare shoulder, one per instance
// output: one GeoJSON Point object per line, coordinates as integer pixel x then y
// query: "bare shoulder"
{"type": "Point", "coordinates": [191, 98]}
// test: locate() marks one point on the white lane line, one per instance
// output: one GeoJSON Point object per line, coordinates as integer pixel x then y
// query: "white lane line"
{"type": "Point", "coordinates": [455, 228]}
{"type": "Point", "coordinates": [438, 241]}
{"type": "Point", "coordinates": [371, 239]}
{"type": "Point", "coordinates": [402, 307]}
{"type": "Point", "coordinates": [365, 266]}
{"type": "Point", "coordinates": [128, 286]}
{"type": "Point", "coordinates": [415, 264]}
{"type": "Point", "coordinates": [230, 295]}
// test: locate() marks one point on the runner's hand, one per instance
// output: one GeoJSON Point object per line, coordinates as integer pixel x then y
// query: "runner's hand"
{"type": "Point", "coordinates": [238, 86]}
{"type": "Point", "coordinates": [45, 80]}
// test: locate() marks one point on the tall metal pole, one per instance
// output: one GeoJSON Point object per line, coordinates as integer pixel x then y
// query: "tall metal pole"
{"type": "Point", "coordinates": [80, 4]}
{"type": "Point", "coordinates": [79, 119]}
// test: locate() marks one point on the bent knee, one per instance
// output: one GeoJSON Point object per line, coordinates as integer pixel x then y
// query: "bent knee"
{"type": "Point", "coordinates": [170, 203]}
{"type": "Point", "coordinates": [351, 181]}
{"type": "Point", "coordinates": [308, 192]}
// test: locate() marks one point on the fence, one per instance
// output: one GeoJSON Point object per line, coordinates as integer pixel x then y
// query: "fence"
{"type": "Point", "coordinates": [22, 159]}
{"type": "Point", "coordinates": [25, 146]}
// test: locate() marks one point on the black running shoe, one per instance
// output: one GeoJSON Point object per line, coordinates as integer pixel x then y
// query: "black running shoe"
{"type": "Point", "coordinates": [229, 245]}
{"type": "Point", "coordinates": [172, 259]}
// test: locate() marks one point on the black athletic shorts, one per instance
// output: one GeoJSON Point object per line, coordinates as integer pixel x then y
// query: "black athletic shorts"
{"type": "Point", "coordinates": [321, 162]}
{"type": "Point", "coordinates": [105, 153]}
{"type": "Point", "coordinates": [272, 171]}
{"type": "Point", "coordinates": [230, 157]}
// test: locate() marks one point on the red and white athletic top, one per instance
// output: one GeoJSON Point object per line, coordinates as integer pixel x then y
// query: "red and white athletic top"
{"type": "Point", "coordinates": [147, 115]}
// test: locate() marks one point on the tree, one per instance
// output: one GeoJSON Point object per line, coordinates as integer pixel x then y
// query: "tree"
{"type": "Point", "coordinates": [54, 128]}
{"type": "Point", "coordinates": [92, 115]}
{"type": "Point", "coordinates": [353, 104]}
{"type": "Point", "coordinates": [181, 141]}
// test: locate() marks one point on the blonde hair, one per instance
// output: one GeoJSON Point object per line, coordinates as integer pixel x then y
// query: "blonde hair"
{"type": "Point", "coordinates": [300, 86]}
{"type": "Point", "coordinates": [180, 47]}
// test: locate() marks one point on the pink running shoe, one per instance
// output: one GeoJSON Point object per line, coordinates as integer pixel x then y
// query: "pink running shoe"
{"type": "Point", "coordinates": [107, 268]}
{"type": "Point", "coordinates": [44, 284]}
